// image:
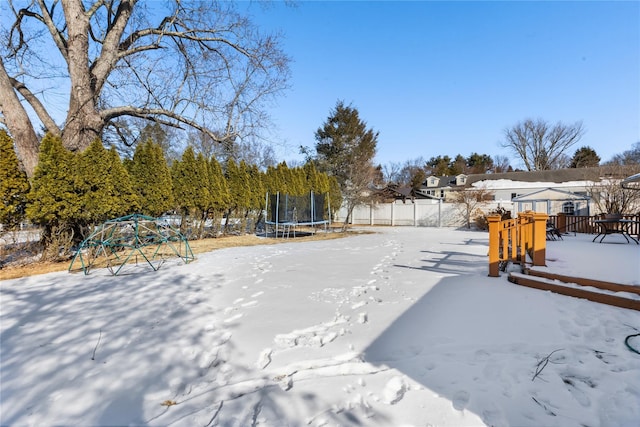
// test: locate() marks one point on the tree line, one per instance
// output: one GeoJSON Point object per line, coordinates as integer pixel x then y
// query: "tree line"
{"type": "Point", "coordinates": [71, 192]}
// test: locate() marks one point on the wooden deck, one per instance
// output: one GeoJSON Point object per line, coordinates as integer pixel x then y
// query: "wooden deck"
{"type": "Point", "coordinates": [559, 284]}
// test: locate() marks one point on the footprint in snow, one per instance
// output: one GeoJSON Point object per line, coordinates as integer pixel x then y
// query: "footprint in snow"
{"type": "Point", "coordinates": [265, 358]}
{"type": "Point", "coordinates": [460, 399]}
{"type": "Point", "coordinates": [394, 390]}
{"type": "Point", "coordinates": [233, 318]}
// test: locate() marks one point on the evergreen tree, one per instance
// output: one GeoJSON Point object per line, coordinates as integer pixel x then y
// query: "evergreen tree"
{"type": "Point", "coordinates": [129, 202]}
{"type": "Point", "coordinates": [190, 185]}
{"type": "Point", "coordinates": [458, 165]}
{"type": "Point", "coordinates": [335, 195]}
{"type": "Point", "coordinates": [345, 149]}
{"type": "Point", "coordinates": [440, 166]}
{"type": "Point", "coordinates": [317, 182]}
{"type": "Point", "coordinates": [238, 182]}
{"type": "Point", "coordinates": [275, 179]}
{"type": "Point", "coordinates": [151, 179]}
{"type": "Point", "coordinates": [297, 182]}
{"type": "Point", "coordinates": [104, 184]}
{"type": "Point", "coordinates": [55, 197]}
{"type": "Point", "coordinates": [585, 157]}
{"type": "Point", "coordinates": [256, 188]}
{"type": "Point", "coordinates": [479, 163]}
{"type": "Point", "coordinates": [269, 180]}
{"type": "Point", "coordinates": [218, 186]}
{"type": "Point", "coordinates": [14, 185]}
{"type": "Point", "coordinates": [204, 201]}
{"type": "Point", "coordinates": [257, 195]}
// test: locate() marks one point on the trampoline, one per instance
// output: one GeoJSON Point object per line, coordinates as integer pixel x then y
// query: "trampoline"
{"type": "Point", "coordinates": [285, 213]}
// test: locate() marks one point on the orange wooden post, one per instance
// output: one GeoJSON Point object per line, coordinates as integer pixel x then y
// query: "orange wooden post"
{"type": "Point", "coordinates": [539, 245]}
{"type": "Point", "coordinates": [494, 245]}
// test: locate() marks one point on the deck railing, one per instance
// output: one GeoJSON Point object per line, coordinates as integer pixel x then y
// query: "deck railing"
{"type": "Point", "coordinates": [521, 240]}
{"type": "Point", "coordinates": [585, 223]}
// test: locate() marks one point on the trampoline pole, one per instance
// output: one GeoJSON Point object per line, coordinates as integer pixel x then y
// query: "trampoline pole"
{"type": "Point", "coordinates": [313, 217]}
{"type": "Point", "coordinates": [266, 214]}
{"type": "Point", "coordinates": [328, 210]}
{"type": "Point", "coordinates": [277, 212]}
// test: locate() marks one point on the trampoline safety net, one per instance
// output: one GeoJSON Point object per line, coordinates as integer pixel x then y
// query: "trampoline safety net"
{"type": "Point", "coordinates": [308, 209]}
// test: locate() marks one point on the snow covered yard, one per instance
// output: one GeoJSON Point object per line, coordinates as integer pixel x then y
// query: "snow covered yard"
{"type": "Point", "coordinates": [398, 328]}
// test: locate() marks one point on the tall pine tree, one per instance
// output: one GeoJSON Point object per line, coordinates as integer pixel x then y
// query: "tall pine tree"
{"type": "Point", "coordinates": [218, 188]}
{"type": "Point", "coordinates": [345, 150]}
{"type": "Point", "coordinates": [55, 197]}
{"type": "Point", "coordinates": [14, 185]}
{"type": "Point", "coordinates": [183, 176]}
{"type": "Point", "coordinates": [238, 182]}
{"type": "Point", "coordinates": [151, 179]}
{"type": "Point", "coordinates": [105, 184]}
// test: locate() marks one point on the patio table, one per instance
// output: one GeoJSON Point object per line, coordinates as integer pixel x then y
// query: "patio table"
{"type": "Point", "coordinates": [615, 226]}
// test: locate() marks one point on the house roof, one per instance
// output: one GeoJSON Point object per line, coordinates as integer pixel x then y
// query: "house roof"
{"type": "Point", "coordinates": [632, 182]}
{"type": "Point", "coordinates": [560, 175]}
{"type": "Point", "coordinates": [549, 194]}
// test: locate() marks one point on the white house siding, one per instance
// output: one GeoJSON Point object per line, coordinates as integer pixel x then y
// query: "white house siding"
{"type": "Point", "coordinates": [504, 190]}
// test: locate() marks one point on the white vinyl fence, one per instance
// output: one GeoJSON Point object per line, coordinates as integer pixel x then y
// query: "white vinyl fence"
{"type": "Point", "coordinates": [419, 213]}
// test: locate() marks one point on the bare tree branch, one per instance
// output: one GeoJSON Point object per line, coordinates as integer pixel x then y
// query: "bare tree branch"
{"type": "Point", "coordinates": [192, 64]}
{"type": "Point", "coordinates": [48, 122]}
{"type": "Point", "coordinates": [539, 146]}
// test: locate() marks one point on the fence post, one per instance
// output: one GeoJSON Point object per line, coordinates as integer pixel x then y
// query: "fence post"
{"type": "Point", "coordinates": [494, 245]}
{"type": "Point", "coordinates": [393, 222]}
{"type": "Point", "coordinates": [539, 245]}
{"type": "Point", "coordinates": [562, 222]}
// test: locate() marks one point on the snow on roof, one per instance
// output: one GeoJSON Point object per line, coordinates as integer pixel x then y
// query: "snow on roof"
{"type": "Point", "coordinates": [508, 183]}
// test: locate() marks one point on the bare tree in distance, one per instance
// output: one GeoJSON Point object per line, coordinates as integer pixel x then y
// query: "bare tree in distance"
{"type": "Point", "coordinates": [501, 164]}
{"type": "Point", "coordinates": [610, 197]}
{"type": "Point", "coordinates": [184, 64]}
{"type": "Point", "coordinates": [391, 172]}
{"type": "Point", "coordinates": [253, 152]}
{"type": "Point", "coordinates": [469, 200]}
{"type": "Point", "coordinates": [628, 157]}
{"type": "Point", "coordinates": [542, 146]}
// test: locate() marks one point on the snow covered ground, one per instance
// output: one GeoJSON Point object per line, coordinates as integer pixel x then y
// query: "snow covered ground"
{"type": "Point", "coordinates": [398, 328]}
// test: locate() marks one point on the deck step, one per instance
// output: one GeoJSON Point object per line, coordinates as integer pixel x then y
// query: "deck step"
{"type": "Point", "coordinates": [552, 282]}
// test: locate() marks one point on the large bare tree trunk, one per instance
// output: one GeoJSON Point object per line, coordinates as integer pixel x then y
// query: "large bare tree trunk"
{"type": "Point", "coordinates": [84, 123]}
{"type": "Point", "coordinates": [19, 125]}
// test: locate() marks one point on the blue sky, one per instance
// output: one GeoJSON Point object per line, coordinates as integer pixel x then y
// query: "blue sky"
{"type": "Point", "coordinates": [446, 78]}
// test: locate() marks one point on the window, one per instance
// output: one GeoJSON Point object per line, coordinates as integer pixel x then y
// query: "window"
{"type": "Point", "coordinates": [568, 208]}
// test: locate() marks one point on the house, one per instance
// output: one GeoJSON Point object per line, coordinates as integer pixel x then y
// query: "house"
{"type": "Point", "coordinates": [569, 191]}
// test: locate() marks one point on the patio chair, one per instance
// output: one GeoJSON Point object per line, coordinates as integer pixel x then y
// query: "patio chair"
{"type": "Point", "coordinates": [553, 233]}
